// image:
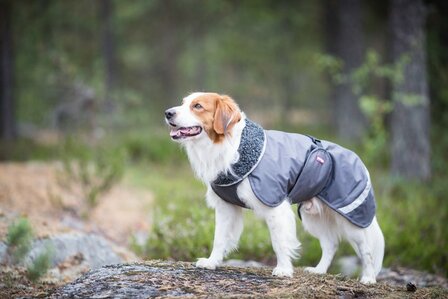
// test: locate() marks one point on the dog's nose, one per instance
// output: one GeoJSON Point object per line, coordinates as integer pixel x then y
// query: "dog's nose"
{"type": "Point", "coordinates": [170, 113]}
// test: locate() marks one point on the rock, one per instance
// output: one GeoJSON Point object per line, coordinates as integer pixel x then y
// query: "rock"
{"type": "Point", "coordinates": [3, 248]}
{"type": "Point", "coordinates": [182, 279]}
{"type": "Point", "coordinates": [401, 276]}
{"type": "Point", "coordinates": [410, 287]}
{"type": "Point", "coordinates": [95, 250]}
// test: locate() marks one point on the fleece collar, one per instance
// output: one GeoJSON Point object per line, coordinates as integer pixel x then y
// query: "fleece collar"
{"type": "Point", "coordinates": [251, 149]}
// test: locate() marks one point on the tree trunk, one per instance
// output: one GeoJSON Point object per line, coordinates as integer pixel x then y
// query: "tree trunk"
{"type": "Point", "coordinates": [410, 119]}
{"type": "Point", "coordinates": [168, 51]}
{"type": "Point", "coordinates": [200, 78]}
{"type": "Point", "coordinates": [330, 24]}
{"type": "Point", "coordinates": [108, 49]}
{"type": "Point", "coordinates": [7, 114]}
{"type": "Point", "coordinates": [349, 39]}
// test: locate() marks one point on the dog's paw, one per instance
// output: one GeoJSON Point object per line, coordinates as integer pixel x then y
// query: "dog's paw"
{"type": "Point", "coordinates": [368, 280]}
{"type": "Point", "coordinates": [282, 272]}
{"type": "Point", "coordinates": [206, 263]}
{"type": "Point", "coordinates": [314, 270]}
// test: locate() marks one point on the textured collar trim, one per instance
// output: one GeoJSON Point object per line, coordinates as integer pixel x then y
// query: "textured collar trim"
{"type": "Point", "coordinates": [251, 150]}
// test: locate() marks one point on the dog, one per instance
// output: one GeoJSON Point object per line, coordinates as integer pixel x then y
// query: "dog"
{"type": "Point", "coordinates": [245, 166]}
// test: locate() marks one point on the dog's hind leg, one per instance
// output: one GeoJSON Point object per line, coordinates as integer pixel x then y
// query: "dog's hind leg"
{"type": "Point", "coordinates": [369, 246]}
{"type": "Point", "coordinates": [366, 256]}
{"type": "Point", "coordinates": [228, 228]}
{"type": "Point", "coordinates": [318, 222]}
{"type": "Point", "coordinates": [376, 242]}
{"type": "Point", "coordinates": [329, 247]}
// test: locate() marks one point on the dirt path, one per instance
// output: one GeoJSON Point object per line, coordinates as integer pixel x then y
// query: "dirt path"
{"type": "Point", "coordinates": [31, 189]}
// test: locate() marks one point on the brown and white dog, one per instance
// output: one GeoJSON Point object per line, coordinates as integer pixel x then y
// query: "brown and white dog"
{"type": "Point", "coordinates": [209, 127]}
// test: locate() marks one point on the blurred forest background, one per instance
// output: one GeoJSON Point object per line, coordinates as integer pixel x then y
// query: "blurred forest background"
{"type": "Point", "coordinates": [86, 83]}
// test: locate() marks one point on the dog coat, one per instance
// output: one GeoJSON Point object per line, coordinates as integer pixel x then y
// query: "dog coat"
{"type": "Point", "coordinates": [284, 166]}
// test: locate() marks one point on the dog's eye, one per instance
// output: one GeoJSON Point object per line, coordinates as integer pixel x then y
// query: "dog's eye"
{"type": "Point", "coordinates": [197, 106]}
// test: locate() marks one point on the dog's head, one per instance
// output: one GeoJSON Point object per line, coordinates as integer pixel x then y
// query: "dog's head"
{"type": "Point", "coordinates": [203, 115]}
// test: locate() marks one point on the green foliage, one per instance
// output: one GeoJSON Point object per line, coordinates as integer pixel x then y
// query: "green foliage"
{"type": "Point", "coordinates": [330, 65]}
{"type": "Point", "coordinates": [25, 149]}
{"type": "Point", "coordinates": [177, 218]}
{"type": "Point", "coordinates": [19, 239]}
{"type": "Point", "coordinates": [375, 143]}
{"type": "Point", "coordinates": [183, 226]}
{"type": "Point", "coordinates": [181, 235]}
{"type": "Point", "coordinates": [152, 147]}
{"type": "Point", "coordinates": [413, 219]}
{"type": "Point", "coordinates": [40, 265]}
{"type": "Point", "coordinates": [362, 81]}
{"type": "Point", "coordinates": [50, 61]}
{"type": "Point", "coordinates": [363, 77]}
{"type": "Point", "coordinates": [409, 212]}
{"type": "Point", "coordinates": [90, 170]}
{"type": "Point", "coordinates": [217, 55]}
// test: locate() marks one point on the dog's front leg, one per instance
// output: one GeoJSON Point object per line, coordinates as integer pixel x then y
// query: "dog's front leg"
{"type": "Point", "coordinates": [228, 228]}
{"type": "Point", "coordinates": [282, 227]}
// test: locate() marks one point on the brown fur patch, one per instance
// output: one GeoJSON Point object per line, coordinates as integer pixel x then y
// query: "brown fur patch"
{"type": "Point", "coordinates": [219, 114]}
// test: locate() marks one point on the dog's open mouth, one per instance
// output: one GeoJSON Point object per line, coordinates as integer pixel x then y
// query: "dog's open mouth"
{"type": "Point", "coordinates": [184, 132]}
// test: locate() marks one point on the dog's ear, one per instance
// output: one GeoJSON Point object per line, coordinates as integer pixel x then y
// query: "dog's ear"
{"type": "Point", "coordinates": [227, 114]}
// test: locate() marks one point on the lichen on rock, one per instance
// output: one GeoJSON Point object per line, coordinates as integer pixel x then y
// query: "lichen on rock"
{"type": "Point", "coordinates": [183, 279]}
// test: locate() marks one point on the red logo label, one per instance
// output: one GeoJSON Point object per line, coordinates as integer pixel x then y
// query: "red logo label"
{"type": "Point", "coordinates": [320, 160]}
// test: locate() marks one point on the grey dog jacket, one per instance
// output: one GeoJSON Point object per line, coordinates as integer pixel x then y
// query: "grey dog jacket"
{"type": "Point", "coordinates": [285, 166]}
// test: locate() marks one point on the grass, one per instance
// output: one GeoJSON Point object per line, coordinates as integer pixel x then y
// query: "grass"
{"type": "Point", "coordinates": [413, 217]}
{"type": "Point", "coordinates": [183, 226]}
{"type": "Point", "coordinates": [18, 240]}
{"type": "Point", "coordinates": [25, 149]}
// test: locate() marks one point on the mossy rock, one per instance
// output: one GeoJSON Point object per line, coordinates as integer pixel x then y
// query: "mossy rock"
{"type": "Point", "coordinates": [182, 279]}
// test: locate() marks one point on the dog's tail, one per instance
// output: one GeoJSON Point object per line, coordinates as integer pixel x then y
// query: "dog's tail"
{"type": "Point", "coordinates": [377, 245]}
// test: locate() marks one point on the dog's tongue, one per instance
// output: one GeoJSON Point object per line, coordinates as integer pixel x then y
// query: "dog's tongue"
{"type": "Point", "coordinates": [175, 133]}
{"type": "Point", "coordinates": [182, 131]}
